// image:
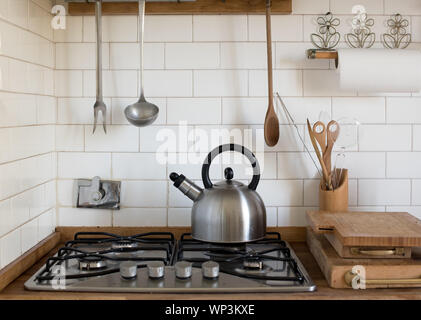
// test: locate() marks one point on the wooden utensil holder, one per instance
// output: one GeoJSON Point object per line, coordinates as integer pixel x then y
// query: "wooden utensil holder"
{"type": "Point", "coordinates": [335, 200]}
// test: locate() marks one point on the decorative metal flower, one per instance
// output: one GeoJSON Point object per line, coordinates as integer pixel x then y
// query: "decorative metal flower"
{"type": "Point", "coordinates": [362, 37]}
{"type": "Point", "coordinates": [328, 37]}
{"type": "Point", "coordinates": [397, 36]}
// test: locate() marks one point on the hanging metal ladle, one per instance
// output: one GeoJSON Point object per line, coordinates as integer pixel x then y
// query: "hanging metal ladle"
{"type": "Point", "coordinates": [141, 113]}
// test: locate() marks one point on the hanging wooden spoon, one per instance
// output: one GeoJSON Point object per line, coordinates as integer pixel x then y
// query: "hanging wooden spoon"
{"type": "Point", "coordinates": [271, 120]}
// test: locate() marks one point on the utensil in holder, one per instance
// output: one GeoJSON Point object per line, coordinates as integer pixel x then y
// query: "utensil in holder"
{"type": "Point", "coordinates": [335, 200]}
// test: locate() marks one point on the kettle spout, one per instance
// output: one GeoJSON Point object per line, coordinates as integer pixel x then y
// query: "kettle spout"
{"type": "Point", "coordinates": [189, 188]}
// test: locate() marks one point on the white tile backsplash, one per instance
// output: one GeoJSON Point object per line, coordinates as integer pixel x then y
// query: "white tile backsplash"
{"type": "Point", "coordinates": [210, 73]}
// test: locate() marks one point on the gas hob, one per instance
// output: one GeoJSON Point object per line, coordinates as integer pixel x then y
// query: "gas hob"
{"type": "Point", "coordinates": [156, 262]}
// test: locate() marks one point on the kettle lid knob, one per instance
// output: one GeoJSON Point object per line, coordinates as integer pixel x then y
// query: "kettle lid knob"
{"type": "Point", "coordinates": [229, 173]}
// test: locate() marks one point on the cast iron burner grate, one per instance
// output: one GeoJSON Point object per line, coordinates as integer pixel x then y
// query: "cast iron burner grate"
{"type": "Point", "coordinates": [231, 257]}
{"type": "Point", "coordinates": [103, 246]}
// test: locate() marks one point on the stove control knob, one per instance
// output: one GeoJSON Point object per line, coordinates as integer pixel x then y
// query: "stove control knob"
{"type": "Point", "coordinates": [210, 269]}
{"type": "Point", "coordinates": [156, 269]}
{"type": "Point", "coordinates": [183, 269]}
{"type": "Point", "coordinates": [128, 270]}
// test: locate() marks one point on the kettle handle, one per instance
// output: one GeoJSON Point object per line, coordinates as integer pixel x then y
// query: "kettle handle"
{"type": "Point", "coordinates": [231, 147]}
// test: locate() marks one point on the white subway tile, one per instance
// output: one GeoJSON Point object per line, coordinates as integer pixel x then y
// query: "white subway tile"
{"type": "Point", "coordinates": [75, 217]}
{"type": "Point", "coordinates": [404, 110]}
{"type": "Point", "coordinates": [323, 83]}
{"type": "Point", "coordinates": [46, 224]}
{"type": "Point", "coordinates": [403, 165]}
{"type": "Point", "coordinates": [416, 192]}
{"type": "Point", "coordinates": [163, 139]}
{"type": "Point", "coordinates": [168, 83]}
{"type": "Point", "coordinates": [205, 138]}
{"type": "Point", "coordinates": [39, 21]}
{"type": "Point", "coordinates": [296, 165]}
{"type": "Point", "coordinates": [66, 193]}
{"type": "Point", "coordinates": [286, 82]}
{"type": "Point", "coordinates": [161, 28]}
{"type": "Point", "coordinates": [308, 7]}
{"type": "Point", "coordinates": [281, 192]}
{"type": "Point", "coordinates": [137, 166]}
{"type": "Point", "coordinates": [68, 83]}
{"type": "Point", "coordinates": [151, 217]}
{"type": "Point", "coordinates": [126, 56]}
{"type": "Point", "coordinates": [78, 110]}
{"type": "Point", "coordinates": [80, 56]}
{"type": "Point", "coordinates": [385, 137]}
{"type": "Point", "coordinates": [290, 55]}
{"type": "Point", "coordinates": [214, 83]}
{"type": "Point", "coordinates": [29, 235]}
{"type": "Point", "coordinates": [6, 217]}
{"type": "Point", "coordinates": [288, 139]}
{"type": "Point", "coordinates": [119, 104]}
{"type": "Point", "coordinates": [417, 138]}
{"type": "Point", "coordinates": [70, 138]}
{"type": "Point", "coordinates": [302, 109]}
{"type": "Point", "coordinates": [17, 12]}
{"type": "Point", "coordinates": [114, 29]}
{"type": "Point", "coordinates": [179, 217]}
{"type": "Point", "coordinates": [243, 170]}
{"type": "Point", "coordinates": [284, 28]}
{"type": "Point", "coordinates": [17, 109]}
{"type": "Point", "coordinates": [243, 110]}
{"type": "Point", "coordinates": [384, 192]}
{"type": "Point", "coordinates": [46, 110]}
{"type": "Point", "coordinates": [144, 193]}
{"type": "Point", "coordinates": [365, 110]}
{"type": "Point", "coordinates": [176, 199]}
{"type": "Point", "coordinates": [194, 110]}
{"type": "Point", "coordinates": [345, 6]}
{"type": "Point", "coordinates": [190, 165]}
{"type": "Point", "coordinates": [73, 31]}
{"type": "Point", "coordinates": [121, 83]}
{"type": "Point", "coordinates": [75, 165]}
{"type": "Point", "coordinates": [293, 216]}
{"type": "Point", "coordinates": [271, 217]}
{"type": "Point", "coordinates": [220, 28]}
{"type": "Point", "coordinates": [243, 55]}
{"type": "Point", "coordinates": [412, 7]}
{"type": "Point", "coordinates": [10, 248]}
{"type": "Point", "coordinates": [364, 164]}
{"type": "Point", "coordinates": [117, 139]}
{"type": "Point", "coordinates": [191, 55]}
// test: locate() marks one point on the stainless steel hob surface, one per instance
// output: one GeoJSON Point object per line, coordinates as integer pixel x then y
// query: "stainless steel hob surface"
{"type": "Point", "coordinates": [156, 262]}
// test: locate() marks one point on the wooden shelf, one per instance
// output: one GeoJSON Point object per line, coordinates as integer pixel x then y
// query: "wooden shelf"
{"type": "Point", "coordinates": [176, 8]}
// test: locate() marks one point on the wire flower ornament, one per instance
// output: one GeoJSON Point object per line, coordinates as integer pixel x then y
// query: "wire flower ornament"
{"type": "Point", "coordinates": [362, 37]}
{"type": "Point", "coordinates": [328, 37]}
{"type": "Point", "coordinates": [397, 38]}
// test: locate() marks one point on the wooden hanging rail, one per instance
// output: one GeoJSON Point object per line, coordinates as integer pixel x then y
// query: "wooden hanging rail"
{"type": "Point", "coordinates": [184, 7]}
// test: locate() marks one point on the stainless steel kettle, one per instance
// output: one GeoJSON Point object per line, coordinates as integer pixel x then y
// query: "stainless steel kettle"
{"type": "Point", "coordinates": [227, 211]}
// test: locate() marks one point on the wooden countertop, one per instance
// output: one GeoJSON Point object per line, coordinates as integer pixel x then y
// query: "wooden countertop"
{"type": "Point", "coordinates": [16, 289]}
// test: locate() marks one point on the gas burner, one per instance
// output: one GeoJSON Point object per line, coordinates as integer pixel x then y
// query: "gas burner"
{"type": "Point", "coordinates": [124, 244]}
{"type": "Point", "coordinates": [92, 263]}
{"type": "Point", "coordinates": [250, 271]}
{"type": "Point", "coordinates": [253, 263]}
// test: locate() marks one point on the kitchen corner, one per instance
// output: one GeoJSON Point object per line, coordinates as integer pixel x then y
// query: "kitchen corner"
{"type": "Point", "coordinates": [209, 149]}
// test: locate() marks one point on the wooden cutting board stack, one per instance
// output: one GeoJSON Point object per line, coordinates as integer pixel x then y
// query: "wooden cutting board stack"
{"type": "Point", "coordinates": [384, 244]}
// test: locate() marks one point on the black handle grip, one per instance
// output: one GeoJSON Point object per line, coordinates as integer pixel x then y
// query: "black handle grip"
{"type": "Point", "coordinates": [231, 147]}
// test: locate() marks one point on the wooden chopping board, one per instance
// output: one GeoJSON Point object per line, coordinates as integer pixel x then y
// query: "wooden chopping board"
{"type": "Point", "coordinates": [380, 229]}
{"type": "Point", "coordinates": [335, 268]}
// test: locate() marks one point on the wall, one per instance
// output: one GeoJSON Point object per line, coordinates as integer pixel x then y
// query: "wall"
{"type": "Point", "coordinates": [27, 127]}
{"type": "Point", "coordinates": [210, 72]}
